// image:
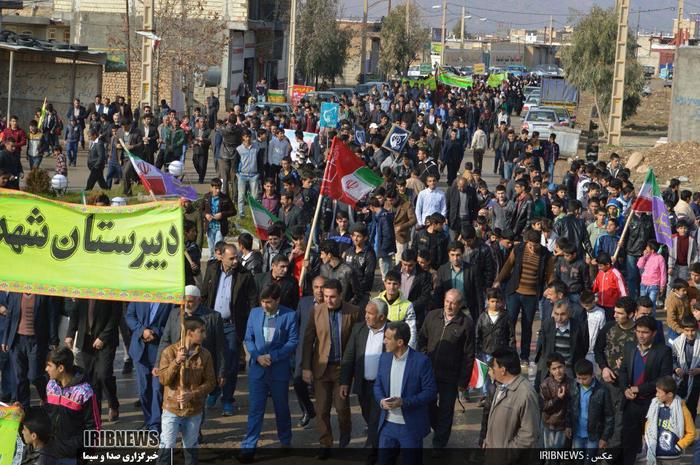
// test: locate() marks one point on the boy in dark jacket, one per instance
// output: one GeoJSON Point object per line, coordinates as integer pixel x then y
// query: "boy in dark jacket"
{"type": "Point", "coordinates": [433, 239]}
{"type": "Point", "coordinates": [36, 433]}
{"type": "Point", "coordinates": [591, 394]}
{"type": "Point", "coordinates": [70, 403]}
{"type": "Point", "coordinates": [554, 392]}
{"type": "Point", "coordinates": [572, 271]}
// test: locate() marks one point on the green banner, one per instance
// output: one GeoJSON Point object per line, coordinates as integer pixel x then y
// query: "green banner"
{"type": "Point", "coordinates": [10, 418]}
{"type": "Point", "coordinates": [429, 81]}
{"type": "Point", "coordinates": [131, 253]}
{"type": "Point", "coordinates": [495, 80]}
{"type": "Point", "coordinates": [453, 80]}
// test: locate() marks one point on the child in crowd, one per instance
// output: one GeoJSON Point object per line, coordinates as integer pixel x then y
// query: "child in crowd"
{"type": "Point", "coordinates": [61, 166]}
{"type": "Point", "coordinates": [36, 145]}
{"type": "Point", "coordinates": [669, 427]}
{"type": "Point", "coordinates": [595, 317]}
{"type": "Point", "coordinates": [494, 329]}
{"type": "Point", "coordinates": [590, 429]}
{"type": "Point", "coordinates": [572, 271]}
{"type": "Point", "coordinates": [554, 391]}
{"type": "Point", "coordinates": [652, 267]}
{"type": "Point", "coordinates": [270, 199]}
{"type": "Point", "coordinates": [686, 363]}
{"type": "Point", "coordinates": [609, 285]}
{"type": "Point", "coordinates": [36, 433]}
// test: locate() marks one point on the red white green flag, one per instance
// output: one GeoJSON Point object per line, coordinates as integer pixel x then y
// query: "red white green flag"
{"type": "Point", "coordinates": [262, 217]}
{"type": "Point", "coordinates": [649, 200]}
{"type": "Point", "coordinates": [347, 178]}
{"type": "Point", "coordinates": [480, 372]}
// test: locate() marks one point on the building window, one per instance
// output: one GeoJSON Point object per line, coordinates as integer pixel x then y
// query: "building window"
{"type": "Point", "coordinates": [66, 36]}
{"type": "Point", "coordinates": [51, 33]}
{"type": "Point", "coordinates": [27, 33]}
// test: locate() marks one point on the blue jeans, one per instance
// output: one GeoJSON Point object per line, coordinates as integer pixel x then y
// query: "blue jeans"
{"type": "Point", "coordinates": [583, 443]}
{"type": "Point", "coordinates": [245, 180]}
{"type": "Point", "coordinates": [114, 171]}
{"type": "Point", "coordinates": [632, 276]}
{"type": "Point", "coordinates": [553, 439]}
{"type": "Point", "coordinates": [508, 170]}
{"type": "Point", "coordinates": [550, 168]}
{"type": "Point", "coordinates": [171, 425]}
{"type": "Point", "coordinates": [259, 390]}
{"type": "Point", "coordinates": [72, 152]}
{"type": "Point", "coordinates": [385, 264]}
{"type": "Point", "coordinates": [213, 236]}
{"type": "Point", "coordinates": [392, 438]}
{"type": "Point", "coordinates": [528, 303]}
{"type": "Point", "coordinates": [231, 355]}
{"type": "Point", "coordinates": [35, 161]}
{"type": "Point", "coordinates": [652, 292]}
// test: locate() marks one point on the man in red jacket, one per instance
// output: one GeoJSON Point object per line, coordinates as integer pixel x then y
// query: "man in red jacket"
{"type": "Point", "coordinates": [12, 156]}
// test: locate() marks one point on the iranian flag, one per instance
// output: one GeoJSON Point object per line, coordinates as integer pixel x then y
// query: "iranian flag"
{"type": "Point", "coordinates": [480, 372]}
{"type": "Point", "coordinates": [649, 200]}
{"type": "Point", "coordinates": [158, 182]}
{"type": "Point", "coordinates": [262, 217]}
{"type": "Point", "coordinates": [347, 178]}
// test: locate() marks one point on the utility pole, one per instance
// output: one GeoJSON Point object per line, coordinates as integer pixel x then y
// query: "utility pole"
{"type": "Point", "coordinates": [551, 29]}
{"type": "Point", "coordinates": [128, 55]}
{"type": "Point", "coordinates": [388, 8]}
{"type": "Point", "coordinates": [461, 37]}
{"type": "Point", "coordinates": [679, 35]}
{"type": "Point", "coordinates": [618, 86]}
{"type": "Point", "coordinates": [444, 32]}
{"type": "Point", "coordinates": [363, 44]}
{"type": "Point", "coordinates": [292, 45]}
{"type": "Point", "coordinates": [147, 45]}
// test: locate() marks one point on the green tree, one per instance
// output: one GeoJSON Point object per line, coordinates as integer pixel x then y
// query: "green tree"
{"type": "Point", "coordinates": [321, 46]}
{"type": "Point", "coordinates": [399, 49]}
{"type": "Point", "coordinates": [588, 62]}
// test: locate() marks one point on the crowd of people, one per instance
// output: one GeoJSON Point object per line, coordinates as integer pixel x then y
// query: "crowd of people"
{"type": "Point", "coordinates": [405, 299]}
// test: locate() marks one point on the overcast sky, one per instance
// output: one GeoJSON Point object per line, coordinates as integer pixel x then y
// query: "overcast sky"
{"type": "Point", "coordinates": [530, 14]}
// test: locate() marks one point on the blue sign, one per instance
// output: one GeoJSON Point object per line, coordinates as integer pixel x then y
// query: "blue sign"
{"type": "Point", "coordinates": [396, 139]}
{"type": "Point", "coordinates": [360, 136]}
{"type": "Point", "coordinates": [329, 115]}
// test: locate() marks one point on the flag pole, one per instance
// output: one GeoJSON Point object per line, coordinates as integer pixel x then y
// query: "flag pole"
{"type": "Point", "coordinates": [314, 222]}
{"type": "Point", "coordinates": [153, 196]}
{"type": "Point", "coordinates": [182, 345]}
{"type": "Point", "coordinates": [622, 236]}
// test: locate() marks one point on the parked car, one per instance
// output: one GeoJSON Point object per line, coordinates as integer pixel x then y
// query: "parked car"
{"type": "Point", "coordinates": [646, 90]}
{"type": "Point", "coordinates": [565, 118]}
{"type": "Point", "coordinates": [547, 70]}
{"type": "Point", "coordinates": [532, 102]}
{"type": "Point", "coordinates": [516, 70]}
{"type": "Point", "coordinates": [540, 120]}
{"type": "Point", "coordinates": [466, 70]}
{"type": "Point", "coordinates": [668, 82]}
{"type": "Point", "coordinates": [363, 89]}
{"type": "Point", "coordinates": [273, 108]}
{"type": "Point", "coordinates": [321, 96]}
{"type": "Point", "coordinates": [342, 91]}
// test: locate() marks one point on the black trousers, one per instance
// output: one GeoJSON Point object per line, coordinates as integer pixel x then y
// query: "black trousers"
{"type": "Point", "coordinates": [301, 389]}
{"type": "Point", "coordinates": [442, 412]}
{"type": "Point", "coordinates": [29, 359]}
{"type": "Point", "coordinates": [370, 412]}
{"type": "Point", "coordinates": [200, 160]}
{"type": "Point", "coordinates": [98, 366]}
{"type": "Point", "coordinates": [125, 331]}
{"type": "Point", "coordinates": [633, 418]}
{"type": "Point", "coordinates": [478, 159]}
{"type": "Point", "coordinates": [96, 176]}
{"type": "Point", "coordinates": [130, 177]}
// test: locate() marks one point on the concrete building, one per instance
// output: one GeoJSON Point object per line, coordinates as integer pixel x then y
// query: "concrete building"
{"type": "Point", "coordinates": [352, 68]}
{"type": "Point", "coordinates": [257, 32]}
{"type": "Point", "coordinates": [685, 100]}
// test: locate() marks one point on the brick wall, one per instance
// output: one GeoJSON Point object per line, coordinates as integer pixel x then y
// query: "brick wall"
{"type": "Point", "coordinates": [114, 84]}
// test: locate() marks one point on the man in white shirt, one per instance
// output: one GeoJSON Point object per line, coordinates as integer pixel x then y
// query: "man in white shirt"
{"type": "Point", "coordinates": [361, 364]}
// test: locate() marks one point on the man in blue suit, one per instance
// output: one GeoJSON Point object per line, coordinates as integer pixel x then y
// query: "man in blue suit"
{"type": "Point", "coordinates": [405, 388]}
{"type": "Point", "coordinates": [146, 322]}
{"type": "Point", "coordinates": [271, 339]}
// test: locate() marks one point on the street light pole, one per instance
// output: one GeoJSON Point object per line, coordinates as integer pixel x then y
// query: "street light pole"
{"type": "Point", "coordinates": [363, 46]}
{"type": "Point", "coordinates": [290, 52]}
{"type": "Point", "coordinates": [444, 31]}
{"type": "Point", "coordinates": [461, 36]}
{"type": "Point", "coordinates": [408, 8]}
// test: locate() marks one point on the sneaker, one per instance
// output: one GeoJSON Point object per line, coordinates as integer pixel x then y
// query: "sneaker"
{"type": "Point", "coordinates": [227, 410]}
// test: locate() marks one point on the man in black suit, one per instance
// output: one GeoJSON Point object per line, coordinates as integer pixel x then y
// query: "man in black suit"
{"type": "Point", "coordinates": [30, 332]}
{"type": "Point", "coordinates": [95, 325]}
{"type": "Point", "coordinates": [278, 274]}
{"type": "Point", "coordinates": [562, 334]}
{"type": "Point", "coordinates": [643, 362]}
{"type": "Point", "coordinates": [200, 148]}
{"type": "Point", "coordinates": [462, 205]}
{"type": "Point", "coordinates": [416, 284]}
{"type": "Point", "coordinates": [149, 135]}
{"type": "Point", "coordinates": [360, 364]}
{"type": "Point", "coordinates": [238, 296]}
{"type": "Point", "coordinates": [457, 269]}
{"type": "Point", "coordinates": [96, 162]}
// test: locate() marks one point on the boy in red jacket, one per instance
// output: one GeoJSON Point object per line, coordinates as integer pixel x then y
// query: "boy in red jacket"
{"type": "Point", "coordinates": [609, 285]}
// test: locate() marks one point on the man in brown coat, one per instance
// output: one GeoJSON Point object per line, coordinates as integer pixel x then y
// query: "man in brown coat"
{"type": "Point", "coordinates": [325, 338]}
{"type": "Point", "coordinates": [404, 220]}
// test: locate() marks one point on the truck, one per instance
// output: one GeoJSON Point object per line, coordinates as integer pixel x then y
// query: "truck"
{"type": "Point", "coordinates": [557, 92]}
